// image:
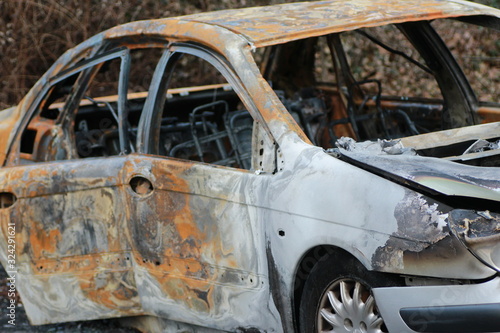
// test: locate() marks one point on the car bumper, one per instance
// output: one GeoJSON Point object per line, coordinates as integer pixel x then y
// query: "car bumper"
{"type": "Point", "coordinates": [450, 308]}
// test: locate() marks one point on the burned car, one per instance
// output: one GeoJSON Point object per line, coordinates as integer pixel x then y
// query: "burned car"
{"type": "Point", "coordinates": [312, 167]}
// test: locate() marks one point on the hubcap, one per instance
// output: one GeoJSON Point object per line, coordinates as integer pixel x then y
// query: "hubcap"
{"type": "Point", "coordinates": [348, 306]}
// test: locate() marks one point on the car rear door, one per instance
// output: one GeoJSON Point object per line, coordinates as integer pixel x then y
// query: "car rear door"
{"type": "Point", "coordinates": [71, 254]}
{"type": "Point", "coordinates": [72, 251]}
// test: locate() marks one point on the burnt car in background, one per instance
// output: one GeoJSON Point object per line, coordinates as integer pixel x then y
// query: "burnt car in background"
{"type": "Point", "coordinates": [247, 170]}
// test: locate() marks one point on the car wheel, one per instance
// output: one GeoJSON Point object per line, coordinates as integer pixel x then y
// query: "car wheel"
{"type": "Point", "coordinates": [337, 298]}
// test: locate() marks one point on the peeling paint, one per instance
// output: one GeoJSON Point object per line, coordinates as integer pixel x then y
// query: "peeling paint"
{"type": "Point", "coordinates": [420, 224]}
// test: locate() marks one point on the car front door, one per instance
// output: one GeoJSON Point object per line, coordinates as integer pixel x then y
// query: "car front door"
{"type": "Point", "coordinates": [196, 236]}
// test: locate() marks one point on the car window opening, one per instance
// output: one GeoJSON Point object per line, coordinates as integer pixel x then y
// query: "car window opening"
{"type": "Point", "coordinates": [203, 118]}
{"type": "Point", "coordinates": [374, 84]}
{"type": "Point", "coordinates": [208, 126]}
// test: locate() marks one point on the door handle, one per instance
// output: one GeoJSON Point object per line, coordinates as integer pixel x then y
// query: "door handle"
{"type": "Point", "coordinates": [141, 185]}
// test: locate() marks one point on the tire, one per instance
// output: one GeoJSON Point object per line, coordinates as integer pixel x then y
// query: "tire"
{"type": "Point", "coordinates": [347, 284]}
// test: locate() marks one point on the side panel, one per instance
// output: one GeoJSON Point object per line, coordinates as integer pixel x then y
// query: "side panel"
{"type": "Point", "coordinates": [73, 260]}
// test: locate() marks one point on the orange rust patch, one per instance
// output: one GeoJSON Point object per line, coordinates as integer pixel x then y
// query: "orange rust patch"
{"type": "Point", "coordinates": [115, 290]}
{"type": "Point", "coordinates": [43, 242]}
{"type": "Point", "coordinates": [195, 294]}
{"type": "Point", "coordinates": [187, 228]}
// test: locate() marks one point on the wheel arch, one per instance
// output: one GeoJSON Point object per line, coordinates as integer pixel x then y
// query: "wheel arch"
{"type": "Point", "coordinates": [310, 259]}
{"type": "Point", "coordinates": [304, 266]}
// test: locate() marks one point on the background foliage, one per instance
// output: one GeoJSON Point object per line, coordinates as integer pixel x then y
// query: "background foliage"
{"type": "Point", "coordinates": [34, 33]}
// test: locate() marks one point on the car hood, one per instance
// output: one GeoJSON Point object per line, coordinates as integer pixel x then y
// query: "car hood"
{"type": "Point", "coordinates": [428, 173]}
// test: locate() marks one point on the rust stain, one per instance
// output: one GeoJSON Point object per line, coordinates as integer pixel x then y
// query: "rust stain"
{"type": "Point", "coordinates": [282, 23]}
{"type": "Point", "coordinates": [115, 290]}
{"type": "Point", "coordinates": [43, 243]}
{"type": "Point", "coordinates": [186, 229]}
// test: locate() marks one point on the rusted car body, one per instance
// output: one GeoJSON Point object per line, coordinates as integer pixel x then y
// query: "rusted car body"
{"type": "Point", "coordinates": [236, 205]}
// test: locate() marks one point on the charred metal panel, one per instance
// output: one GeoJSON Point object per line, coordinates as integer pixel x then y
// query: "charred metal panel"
{"type": "Point", "coordinates": [195, 243]}
{"type": "Point", "coordinates": [69, 231]}
{"type": "Point", "coordinates": [281, 23]}
{"type": "Point", "coordinates": [420, 224]}
{"type": "Point", "coordinates": [102, 248]}
{"type": "Point", "coordinates": [480, 232]}
{"type": "Point", "coordinates": [473, 226]}
{"type": "Point", "coordinates": [452, 136]}
{"type": "Point", "coordinates": [438, 175]}
{"type": "Point", "coordinates": [423, 242]}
